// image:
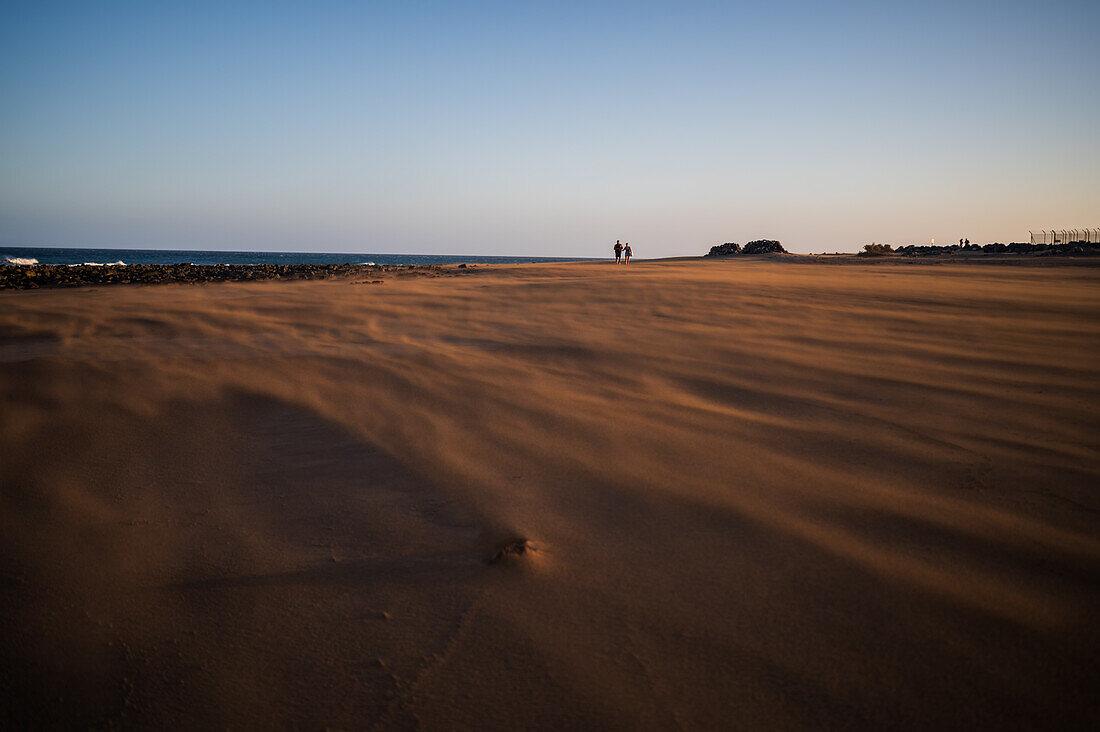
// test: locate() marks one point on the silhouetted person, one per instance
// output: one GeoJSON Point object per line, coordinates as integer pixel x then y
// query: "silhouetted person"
{"type": "Point", "coordinates": [618, 251]}
{"type": "Point", "coordinates": [627, 253]}
{"type": "Point", "coordinates": [968, 242]}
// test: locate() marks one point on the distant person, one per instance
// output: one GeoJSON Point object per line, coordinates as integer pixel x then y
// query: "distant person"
{"type": "Point", "coordinates": [968, 242]}
{"type": "Point", "coordinates": [618, 251]}
{"type": "Point", "coordinates": [627, 252]}
{"type": "Point", "coordinates": [960, 242]}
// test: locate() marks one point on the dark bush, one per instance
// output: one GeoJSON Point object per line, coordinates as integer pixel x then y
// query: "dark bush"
{"type": "Point", "coordinates": [724, 250]}
{"type": "Point", "coordinates": [763, 246]}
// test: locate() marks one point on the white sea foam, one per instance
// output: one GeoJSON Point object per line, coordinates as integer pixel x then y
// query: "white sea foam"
{"type": "Point", "coordinates": [119, 263]}
{"type": "Point", "coordinates": [20, 260]}
{"type": "Point", "coordinates": [369, 264]}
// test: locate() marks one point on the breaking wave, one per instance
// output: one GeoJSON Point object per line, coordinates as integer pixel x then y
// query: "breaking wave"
{"type": "Point", "coordinates": [20, 260]}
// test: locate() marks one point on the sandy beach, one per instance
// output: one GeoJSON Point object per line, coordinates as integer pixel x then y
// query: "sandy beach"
{"type": "Point", "coordinates": [732, 495]}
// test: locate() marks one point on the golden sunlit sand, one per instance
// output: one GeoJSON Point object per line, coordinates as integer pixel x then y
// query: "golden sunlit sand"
{"type": "Point", "coordinates": [707, 495]}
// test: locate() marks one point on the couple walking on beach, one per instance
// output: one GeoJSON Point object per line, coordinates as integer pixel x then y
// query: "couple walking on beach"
{"type": "Point", "coordinates": [622, 253]}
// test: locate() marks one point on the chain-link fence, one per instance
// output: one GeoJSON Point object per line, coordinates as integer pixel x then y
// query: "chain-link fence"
{"type": "Point", "coordinates": [1065, 236]}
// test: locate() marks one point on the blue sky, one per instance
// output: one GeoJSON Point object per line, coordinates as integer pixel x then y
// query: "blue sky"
{"type": "Point", "coordinates": [545, 128]}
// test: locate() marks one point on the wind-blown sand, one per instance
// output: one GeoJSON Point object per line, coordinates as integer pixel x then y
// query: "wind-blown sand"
{"type": "Point", "coordinates": [756, 495]}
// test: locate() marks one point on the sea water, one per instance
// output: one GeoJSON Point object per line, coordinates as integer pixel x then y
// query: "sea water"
{"type": "Point", "coordinates": [51, 255]}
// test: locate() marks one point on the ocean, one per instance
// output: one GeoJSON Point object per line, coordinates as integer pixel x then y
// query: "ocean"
{"type": "Point", "coordinates": [57, 255]}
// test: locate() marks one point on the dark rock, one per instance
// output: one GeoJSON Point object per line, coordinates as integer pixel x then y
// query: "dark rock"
{"type": "Point", "coordinates": [920, 250]}
{"type": "Point", "coordinates": [512, 548]}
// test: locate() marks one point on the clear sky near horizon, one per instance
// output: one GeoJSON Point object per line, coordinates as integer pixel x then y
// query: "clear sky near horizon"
{"type": "Point", "coordinates": [545, 128]}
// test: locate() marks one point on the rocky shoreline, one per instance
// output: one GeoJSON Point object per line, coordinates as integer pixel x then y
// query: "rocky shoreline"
{"type": "Point", "coordinates": [26, 277]}
{"type": "Point", "coordinates": [924, 250]}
